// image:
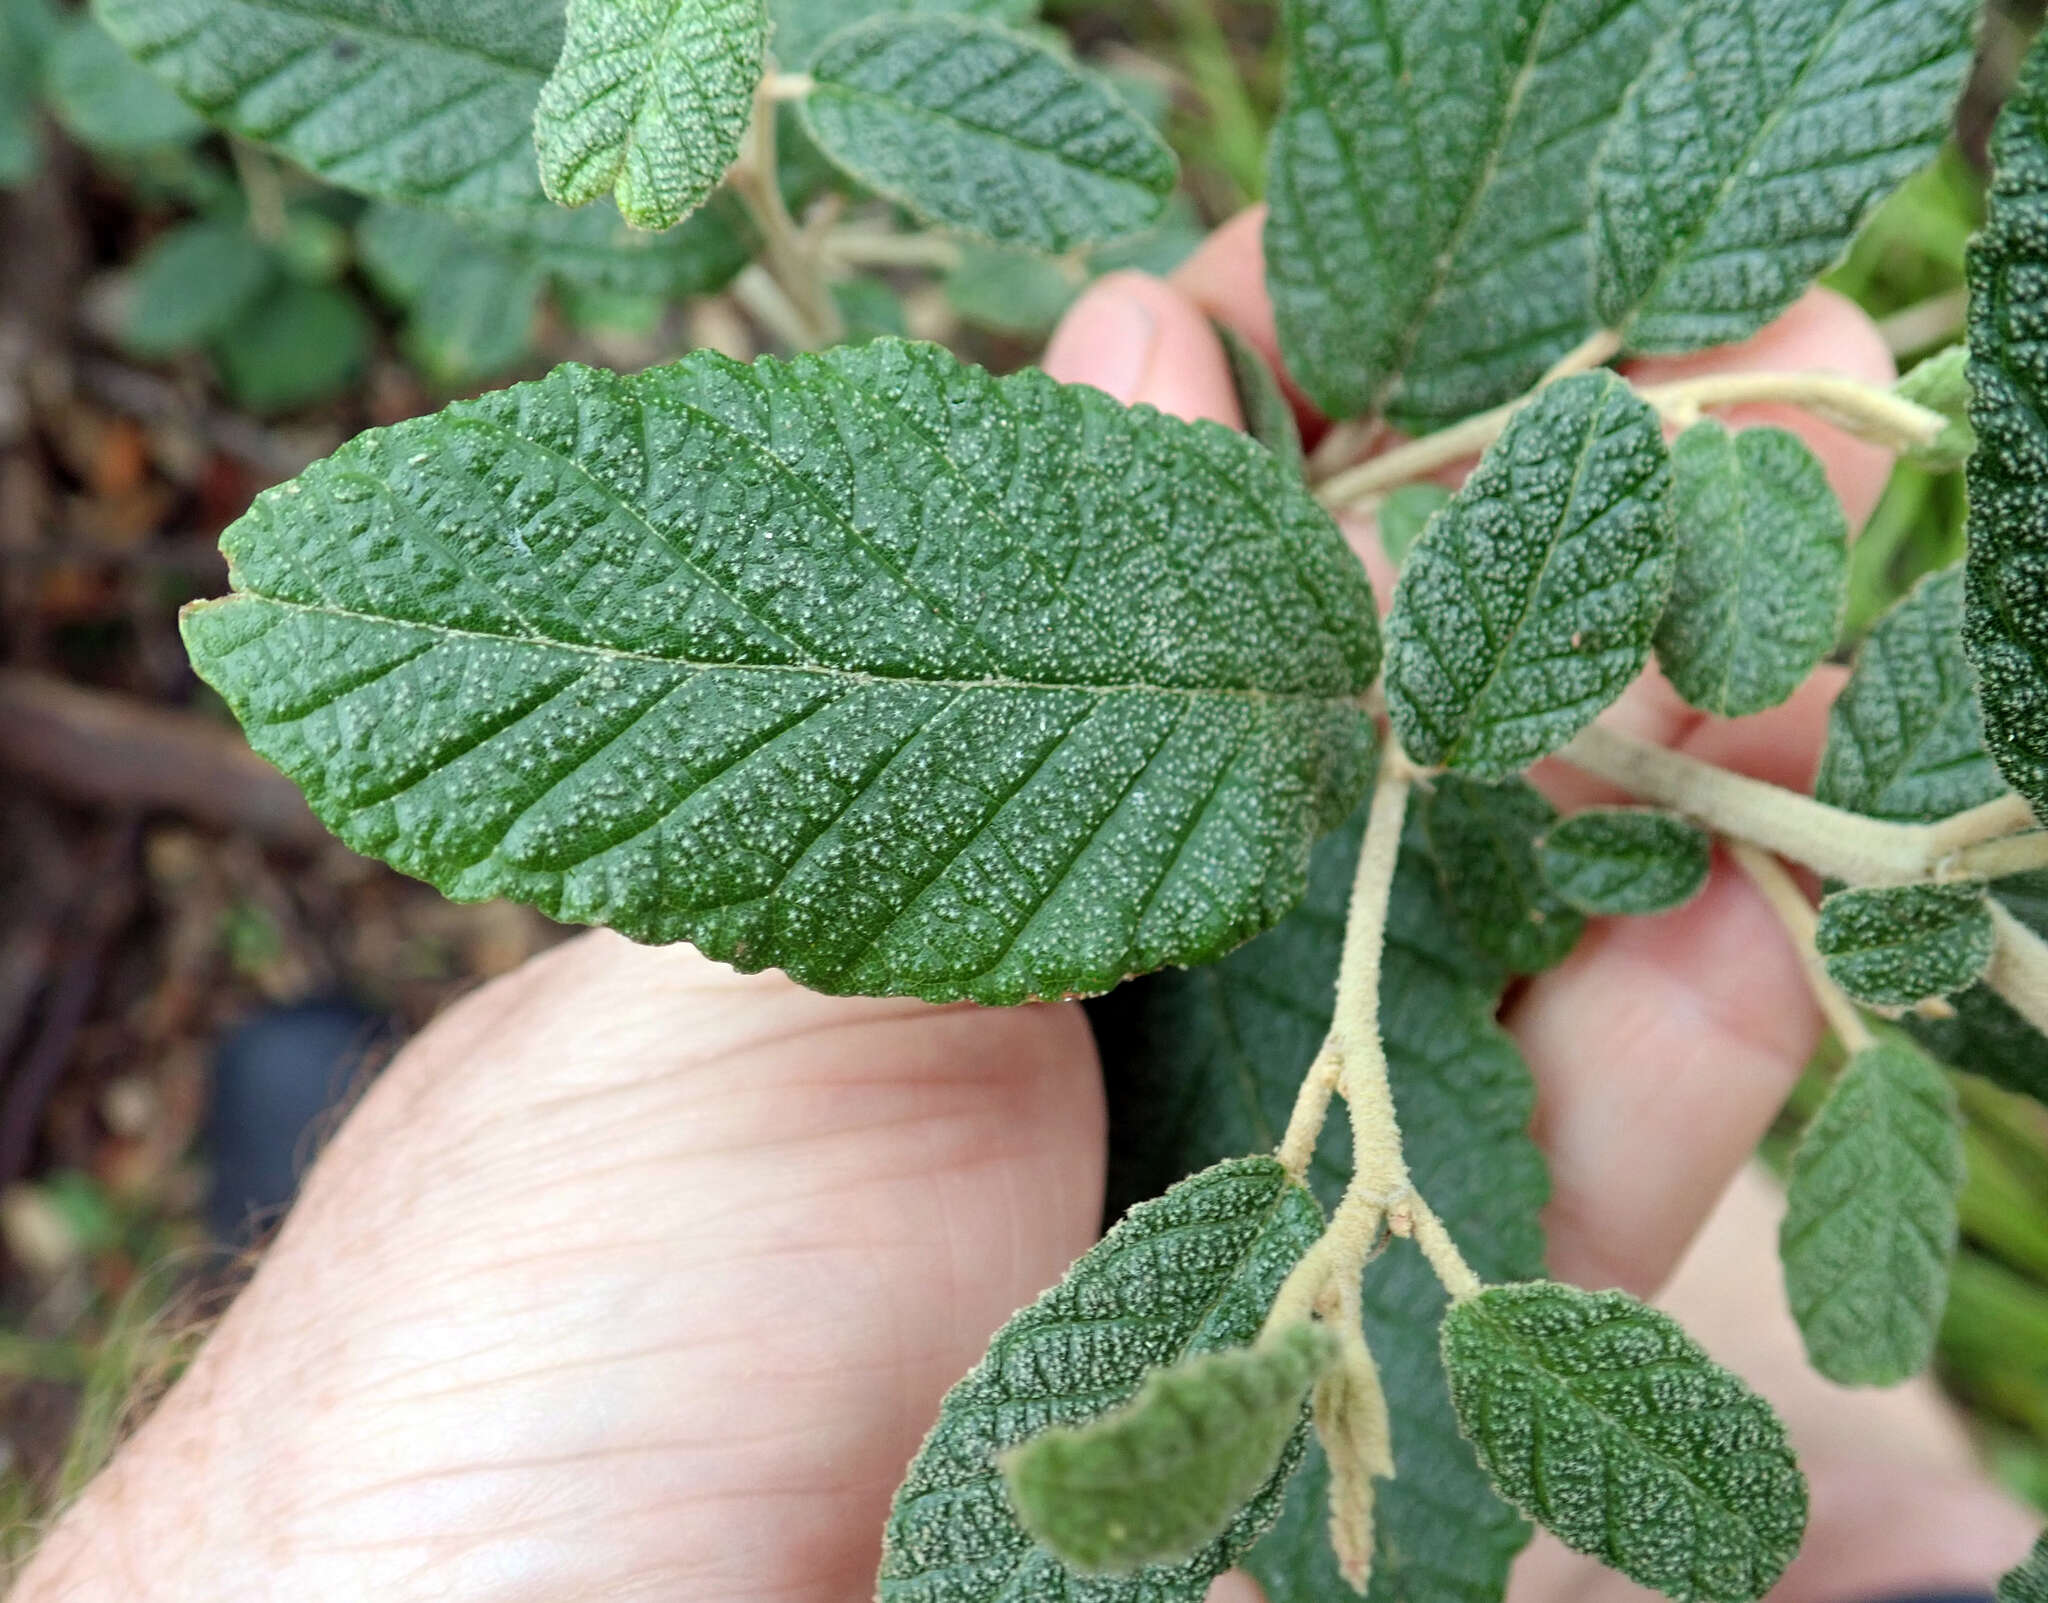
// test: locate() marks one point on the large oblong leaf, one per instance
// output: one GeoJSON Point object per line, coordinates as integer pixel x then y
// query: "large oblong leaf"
{"type": "Point", "coordinates": [1428, 248]}
{"type": "Point", "coordinates": [423, 102]}
{"type": "Point", "coordinates": [870, 666]}
{"type": "Point", "coordinates": [1191, 1272]}
{"type": "Point", "coordinates": [1601, 1418]}
{"type": "Point", "coordinates": [979, 129]}
{"type": "Point", "coordinates": [650, 98]}
{"type": "Point", "coordinates": [1763, 568]}
{"type": "Point", "coordinates": [2006, 624]}
{"type": "Point", "coordinates": [803, 27]}
{"type": "Point", "coordinates": [1529, 602]}
{"type": "Point", "coordinates": [1870, 1224]}
{"type": "Point", "coordinates": [1751, 148]}
{"type": "Point", "coordinates": [1159, 1479]}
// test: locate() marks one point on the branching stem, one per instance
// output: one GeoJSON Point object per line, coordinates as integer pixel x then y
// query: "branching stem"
{"type": "Point", "coordinates": [1864, 410]}
{"type": "Point", "coordinates": [874, 247]}
{"type": "Point", "coordinates": [784, 252]}
{"type": "Point", "coordinates": [1789, 902]}
{"type": "Point", "coordinates": [2019, 967]}
{"type": "Point", "coordinates": [1829, 840]}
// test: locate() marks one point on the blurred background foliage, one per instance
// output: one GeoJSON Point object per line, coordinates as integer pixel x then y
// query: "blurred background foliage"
{"type": "Point", "coordinates": [184, 320]}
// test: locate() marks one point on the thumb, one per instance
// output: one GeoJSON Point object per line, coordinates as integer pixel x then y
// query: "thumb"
{"type": "Point", "coordinates": [1140, 339]}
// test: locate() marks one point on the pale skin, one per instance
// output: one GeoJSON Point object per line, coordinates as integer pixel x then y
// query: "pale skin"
{"type": "Point", "coordinates": [636, 1278]}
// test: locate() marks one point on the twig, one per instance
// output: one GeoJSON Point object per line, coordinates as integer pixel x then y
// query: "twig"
{"type": "Point", "coordinates": [1789, 902]}
{"type": "Point", "coordinates": [1863, 409]}
{"type": "Point", "coordinates": [871, 247]}
{"type": "Point", "coordinates": [110, 750]}
{"type": "Point", "coordinates": [1829, 840]}
{"type": "Point", "coordinates": [2019, 966]}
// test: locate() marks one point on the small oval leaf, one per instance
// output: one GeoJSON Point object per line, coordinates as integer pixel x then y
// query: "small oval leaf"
{"type": "Point", "coordinates": [650, 98]}
{"type": "Point", "coordinates": [1763, 568]}
{"type": "Point", "coordinates": [1625, 860]}
{"type": "Point", "coordinates": [1605, 1422]}
{"type": "Point", "coordinates": [1870, 1225]}
{"type": "Point", "coordinates": [1158, 1479]}
{"type": "Point", "coordinates": [1529, 602]}
{"type": "Point", "coordinates": [1895, 945]}
{"type": "Point", "coordinates": [979, 129]}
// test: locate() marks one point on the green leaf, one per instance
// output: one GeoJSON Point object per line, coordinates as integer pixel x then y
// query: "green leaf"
{"type": "Point", "coordinates": [26, 29]}
{"type": "Point", "coordinates": [105, 101]}
{"type": "Point", "coordinates": [801, 26]}
{"type": "Point", "coordinates": [1192, 1272]}
{"type": "Point", "coordinates": [298, 344]}
{"type": "Point", "coordinates": [868, 666]}
{"type": "Point", "coordinates": [1163, 1476]}
{"type": "Point", "coordinates": [1752, 147]}
{"type": "Point", "coordinates": [1403, 516]}
{"type": "Point", "coordinates": [1484, 840]}
{"type": "Point", "coordinates": [1602, 1419]}
{"type": "Point", "coordinates": [976, 128]}
{"type": "Point", "coordinates": [1941, 384]}
{"type": "Point", "coordinates": [1905, 739]}
{"type": "Point", "coordinates": [1528, 604]}
{"type": "Point", "coordinates": [470, 307]}
{"type": "Point", "coordinates": [650, 98]}
{"type": "Point", "coordinates": [429, 103]}
{"type": "Point", "coordinates": [1204, 1062]}
{"type": "Point", "coordinates": [1763, 568]}
{"type": "Point", "coordinates": [193, 284]}
{"type": "Point", "coordinates": [2029, 1582]}
{"type": "Point", "coordinates": [1625, 860]}
{"type": "Point", "coordinates": [1428, 250]}
{"type": "Point", "coordinates": [2006, 599]}
{"type": "Point", "coordinates": [1870, 1226]}
{"type": "Point", "coordinates": [1896, 945]}
{"type": "Point", "coordinates": [1268, 417]}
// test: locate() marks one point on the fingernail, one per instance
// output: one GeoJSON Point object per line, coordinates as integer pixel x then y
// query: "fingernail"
{"type": "Point", "coordinates": [1106, 340]}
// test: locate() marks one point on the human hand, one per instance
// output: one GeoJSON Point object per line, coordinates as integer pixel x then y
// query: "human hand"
{"type": "Point", "coordinates": [634, 1277]}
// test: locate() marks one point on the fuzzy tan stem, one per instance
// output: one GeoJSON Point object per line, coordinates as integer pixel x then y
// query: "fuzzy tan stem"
{"type": "Point", "coordinates": [1789, 902]}
{"type": "Point", "coordinates": [1434, 1238]}
{"type": "Point", "coordinates": [2019, 967]}
{"type": "Point", "coordinates": [783, 251]}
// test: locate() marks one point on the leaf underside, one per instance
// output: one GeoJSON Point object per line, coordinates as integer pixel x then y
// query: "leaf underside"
{"type": "Point", "coordinates": [1751, 148]}
{"type": "Point", "coordinates": [2006, 620]}
{"type": "Point", "coordinates": [1205, 1062]}
{"type": "Point", "coordinates": [1870, 1227]}
{"type": "Point", "coordinates": [869, 666]}
{"type": "Point", "coordinates": [1428, 249]}
{"type": "Point", "coordinates": [429, 104]}
{"type": "Point", "coordinates": [1625, 860]}
{"type": "Point", "coordinates": [1189, 1273]}
{"type": "Point", "coordinates": [979, 129]}
{"type": "Point", "coordinates": [1895, 945]}
{"type": "Point", "coordinates": [1941, 384]}
{"type": "Point", "coordinates": [1600, 1417]}
{"type": "Point", "coordinates": [1529, 602]}
{"type": "Point", "coordinates": [1763, 568]}
{"type": "Point", "coordinates": [652, 98]}
{"type": "Point", "coordinates": [1484, 840]}
{"type": "Point", "coordinates": [1164, 1476]}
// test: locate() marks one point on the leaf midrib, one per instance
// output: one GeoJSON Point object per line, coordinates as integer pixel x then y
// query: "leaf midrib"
{"type": "Point", "coordinates": [816, 670]}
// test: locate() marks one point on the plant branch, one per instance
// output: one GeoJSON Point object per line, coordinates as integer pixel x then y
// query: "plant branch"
{"type": "Point", "coordinates": [2019, 966]}
{"type": "Point", "coordinates": [1863, 409]}
{"type": "Point", "coordinates": [1789, 902]}
{"type": "Point", "coordinates": [873, 247]}
{"type": "Point", "coordinates": [1829, 840]}
{"type": "Point", "coordinates": [784, 253]}
{"type": "Point", "coordinates": [779, 86]}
